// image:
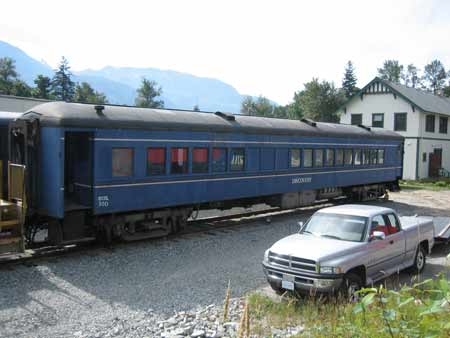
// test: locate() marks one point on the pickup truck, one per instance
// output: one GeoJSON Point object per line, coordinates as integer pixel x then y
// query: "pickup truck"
{"type": "Point", "coordinates": [343, 248]}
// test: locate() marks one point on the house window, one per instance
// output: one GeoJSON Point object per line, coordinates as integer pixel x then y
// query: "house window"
{"type": "Point", "coordinates": [429, 123]}
{"type": "Point", "coordinates": [179, 161]}
{"type": "Point", "coordinates": [318, 157]}
{"type": "Point", "coordinates": [339, 157]}
{"type": "Point", "coordinates": [122, 162]}
{"type": "Point", "coordinates": [237, 159]}
{"type": "Point", "coordinates": [443, 124]}
{"type": "Point", "coordinates": [219, 160]}
{"type": "Point", "coordinates": [424, 157]}
{"type": "Point", "coordinates": [156, 161]}
{"type": "Point", "coordinates": [378, 120]}
{"type": "Point", "coordinates": [400, 121]}
{"type": "Point", "coordinates": [295, 158]}
{"type": "Point", "coordinates": [356, 119]}
{"type": "Point", "coordinates": [348, 157]}
{"type": "Point", "coordinates": [199, 160]}
{"type": "Point", "coordinates": [307, 158]}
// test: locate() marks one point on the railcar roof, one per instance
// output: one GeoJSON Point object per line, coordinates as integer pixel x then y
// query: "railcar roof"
{"type": "Point", "coordinates": [62, 114]}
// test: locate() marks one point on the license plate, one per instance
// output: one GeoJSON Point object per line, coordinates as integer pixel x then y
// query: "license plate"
{"type": "Point", "coordinates": [287, 285]}
{"type": "Point", "coordinates": [288, 282]}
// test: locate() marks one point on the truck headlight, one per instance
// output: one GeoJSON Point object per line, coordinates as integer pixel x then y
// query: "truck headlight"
{"type": "Point", "coordinates": [266, 256]}
{"type": "Point", "coordinates": [330, 270]}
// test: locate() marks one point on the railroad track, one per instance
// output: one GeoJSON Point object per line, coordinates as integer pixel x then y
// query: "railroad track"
{"type": "Point", "coordinates": [194, 226]}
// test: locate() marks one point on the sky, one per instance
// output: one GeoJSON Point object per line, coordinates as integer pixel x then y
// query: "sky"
{"type": "Point", "coordinates": [260, 47]}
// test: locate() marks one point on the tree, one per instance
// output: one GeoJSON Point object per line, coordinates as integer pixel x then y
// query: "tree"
{"type": "Point", "coordinates": [349, 81]}
{"type": "Point", "coordinates": [391, 71]}
{"type": "Point", "coordinates": [20, 88]}
{"type": "Point", "coordinates": [84, 93]}
{"type": "Point", "coordinates": [320, 101]}
{"type": "Point", "coordinates": [446, 91]}
{"type": "Point", "coordinates": [43, 87]}
{"type": "Point", "coordinates": [147, 94]}
{"type": "Point", "coordinates": [63, 88]}
{"type": "Point", "coordinates": [411, 76]}
{"type": "Point", "coordinates": [196, 108]}
{"type": "Point", "coordinates": [434, 76]}
{"type": "Point", "coordinates": [259, 107]}
{"type": "Point", "coordinates": [8, 75]}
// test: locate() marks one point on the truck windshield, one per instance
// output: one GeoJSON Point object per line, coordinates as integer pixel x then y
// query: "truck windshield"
{"type": "Point", "coordinates": [342, 227]}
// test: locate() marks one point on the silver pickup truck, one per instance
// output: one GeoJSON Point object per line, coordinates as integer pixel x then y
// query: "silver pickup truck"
{"type": "Point", "coordinates": [347, 247]}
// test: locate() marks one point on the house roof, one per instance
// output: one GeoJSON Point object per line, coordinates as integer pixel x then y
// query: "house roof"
{"type": "Point", "coordinates": [423, 100]}
{"type": "Point", "coordinates": [61, 114]}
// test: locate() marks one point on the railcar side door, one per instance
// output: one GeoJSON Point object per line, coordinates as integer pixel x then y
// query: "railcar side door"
{"type": "Point", "coordinates": [78, 169]}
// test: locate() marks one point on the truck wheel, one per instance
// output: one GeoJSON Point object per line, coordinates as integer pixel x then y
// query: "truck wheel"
{"type": "Point", "coordinates": [419, 260]}
{"type": "Point", "coordinates": [351, 283]}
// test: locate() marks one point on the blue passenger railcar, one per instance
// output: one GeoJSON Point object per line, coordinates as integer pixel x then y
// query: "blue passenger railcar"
{"type": "Point", "coordinates": [132, 172]}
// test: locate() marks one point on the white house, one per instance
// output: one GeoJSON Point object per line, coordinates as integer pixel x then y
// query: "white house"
{"type": "Point", "coordinates": [421, 117]}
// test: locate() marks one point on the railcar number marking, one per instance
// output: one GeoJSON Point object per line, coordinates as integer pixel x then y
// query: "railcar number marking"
{"type": "Point", "coordinates": [103, 201]}
{"type": "Point", "coordinates": [301, 180]}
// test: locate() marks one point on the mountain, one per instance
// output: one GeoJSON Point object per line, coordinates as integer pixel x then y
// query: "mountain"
{"type": "Point", "coordinates": [119, 84]}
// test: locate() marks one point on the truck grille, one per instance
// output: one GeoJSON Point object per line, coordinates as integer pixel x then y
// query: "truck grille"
{"type": "Point", "coordinates": [292, 262]}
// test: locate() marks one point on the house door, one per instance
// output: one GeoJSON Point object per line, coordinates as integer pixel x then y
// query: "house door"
{"type": "Point", "coordinates": [435, 163]}
{"type": "Point", "coordinates": [77, 170]}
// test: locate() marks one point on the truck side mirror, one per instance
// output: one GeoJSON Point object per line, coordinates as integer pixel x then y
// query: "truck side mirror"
{"type": "Point", "coordinates": [377, 235]}
{"type": "Point", "coordinates": [300, 224]}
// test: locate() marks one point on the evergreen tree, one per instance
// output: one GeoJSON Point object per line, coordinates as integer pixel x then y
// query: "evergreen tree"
{"type": "Point", "coordinates": [434, 76]}
{"type": "Point", "coordinates": [84, 93]}
{"type": "Point", "coordinates": [391, 71]}
{"type": "Point", "coordinates": [147, 94]}
{"type": "Point", "coordinates": [259, 107]}
{"type": "Point", "coordinates": [349, 81]}
{"type": "Point", "coordinates": [8, 75]}
{"type": "Point", "coordinates": [20, 88]}
{"type": "Point", "coordinates": [43, 87]}
{"type": "Point", "coordinates": [63, 88]}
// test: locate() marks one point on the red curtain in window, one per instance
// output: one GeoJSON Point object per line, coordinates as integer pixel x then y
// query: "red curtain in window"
{"type": "Point", "coordinates": [217, 153]}
{"type": "Point", "coordinates": [200, 155]}
{"type": "Point", "coordinates": [179, 155]}
{"type": "Point", "coordinates": [157, 155]}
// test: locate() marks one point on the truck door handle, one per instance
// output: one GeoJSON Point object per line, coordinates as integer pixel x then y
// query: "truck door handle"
{"type": "Point", "coordinates": [391, 241]}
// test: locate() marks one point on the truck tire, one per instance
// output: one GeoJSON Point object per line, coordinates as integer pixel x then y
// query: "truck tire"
{"type": "Point", "coordinates": [350, 284]}
{"type": "Point", "coordinates": [420, 260]}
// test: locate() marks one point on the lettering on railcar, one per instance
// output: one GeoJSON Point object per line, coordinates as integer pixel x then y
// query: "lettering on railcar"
{"type": "Point", "coordinates": [301, 180]}
{"type": "Point", "coordinates": [103, 201]}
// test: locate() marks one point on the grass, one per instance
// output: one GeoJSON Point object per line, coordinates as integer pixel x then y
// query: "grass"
{"type": "Point", "coordinates": [430, 184]}
{"type": "Point", "coordinates": [421, 310]}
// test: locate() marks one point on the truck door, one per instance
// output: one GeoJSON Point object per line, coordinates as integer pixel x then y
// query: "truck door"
{"type": "Point", "coordinates": [379, 258]}
{"type": "Point", "coordinates": [396, 240]}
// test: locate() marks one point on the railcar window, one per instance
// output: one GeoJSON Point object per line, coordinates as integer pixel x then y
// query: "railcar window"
{"type": "Point", "coordinates": [237, 159]}
{"type": "Point", "coordinates": [329, 160]}
{"type": "Point", "coordinates": [295, 158]}
{"type": "Point", "coordinates": [122, 162]}
{"type": "Point", "coordinates": [318, 157]}
{"type": "Point", "coordinates": [348, 157]}
{"type": "Point", "coordinates": [366, 156]}
{"type": "Point", "coordinates": [179, 161]}
{"type": "Point", "coordinates": [219, 160]}
{"type": "Point", "coordinates": [307, 158]}
{"type": "Point", "coordinates": [156, 161]}
{"type": "Point", "coordinates": [358, 159]}
{"type": "Point", "coordinates": [373, 156]}
{"type": "Point", "coordinates": [199, 160]}
{"type": "Point", "coordinates": [380, 156]}
{"type": "Point", "coordinates": [339, 157]}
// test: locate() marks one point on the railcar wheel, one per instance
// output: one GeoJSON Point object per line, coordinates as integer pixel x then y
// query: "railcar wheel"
{"type": "Point", "coordinates": [171, 226]}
